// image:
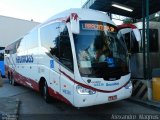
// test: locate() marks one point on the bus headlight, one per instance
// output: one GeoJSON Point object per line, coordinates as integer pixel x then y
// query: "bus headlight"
{"type": "Point", "coordinates": [129, 85]}
{"type": "Point", "coordinates": [84, 91]}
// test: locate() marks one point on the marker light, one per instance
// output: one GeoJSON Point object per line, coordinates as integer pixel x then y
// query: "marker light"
{"type": "Point", "coordinates": [122, 7]}
{"type": "Point", "coordinates": [84, 91]}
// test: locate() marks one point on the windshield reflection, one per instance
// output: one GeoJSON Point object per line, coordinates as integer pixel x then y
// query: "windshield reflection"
{"type": "Point", "coordinates": [100, 53]}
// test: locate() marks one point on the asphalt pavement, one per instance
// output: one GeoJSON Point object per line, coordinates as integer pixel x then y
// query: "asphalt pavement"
{"type": "Point", "coordinates": [31, 106]}
{"type": "Point", "coordinates": [9, 107]}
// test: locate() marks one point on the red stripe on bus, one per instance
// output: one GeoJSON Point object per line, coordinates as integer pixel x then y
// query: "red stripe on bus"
{"type": "Point", "coordinates": [92, 88]}
{"type": "Point", "coordinates": [58, 96]}
{"type": "Point", "coordinates": [126, 26]}
{"type": "Point", "coordinates": [24, 80]}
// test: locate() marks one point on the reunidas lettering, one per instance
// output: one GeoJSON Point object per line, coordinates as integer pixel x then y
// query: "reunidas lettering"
{"type": "Point", "coordinates": [24, 59]}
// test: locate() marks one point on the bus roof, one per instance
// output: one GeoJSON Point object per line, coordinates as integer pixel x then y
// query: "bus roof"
{"type": "Point", "coordinates": [83, 14]}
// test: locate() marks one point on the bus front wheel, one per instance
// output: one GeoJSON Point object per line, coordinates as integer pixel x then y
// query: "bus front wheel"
{"type": "Point", "coordinates": [13, 82]}
{"type": "Point", "coordinates": [9, 78]}
{"type": "Point", "coordinates": [45, 93]}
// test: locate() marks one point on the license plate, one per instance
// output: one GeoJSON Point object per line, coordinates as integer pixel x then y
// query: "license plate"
{"type": "Point", "coordinates": [111, 98]}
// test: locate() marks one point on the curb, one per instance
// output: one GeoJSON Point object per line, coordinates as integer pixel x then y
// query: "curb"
{"type": "Point", "coordinates": [146, 103]}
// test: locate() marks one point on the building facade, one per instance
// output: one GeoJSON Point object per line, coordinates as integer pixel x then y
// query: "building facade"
{"type": "Point", "coordinates": [10, 30]}
{"type": "Point", "coordinates": [13, 28]}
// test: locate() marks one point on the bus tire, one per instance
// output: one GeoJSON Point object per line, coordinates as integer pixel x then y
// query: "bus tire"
{"type": "Point", "coordinates": [45, 92]}
{"type": "Point", "coordinates": [9, 78]}
{"type": "Point", "coordinates": [13, 82]}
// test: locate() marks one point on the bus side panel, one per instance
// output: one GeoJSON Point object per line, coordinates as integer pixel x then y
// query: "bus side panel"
{"type": "Point", "coordinates": [25, 72]}
{"type": "Point", "coordinates": [33, 66]}
{"type": "Point", "coordinates": [67, 86]}
{"type": "Point", "coordinates": [54, 76]}
{"type": "Point", "coordinates": [21, 68]}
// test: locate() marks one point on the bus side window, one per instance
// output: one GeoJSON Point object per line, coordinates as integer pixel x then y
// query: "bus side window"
{"type": "Point", "coordinates": [127, 40]}
{"type": "Point", "coordinates": [153, 40]}
{"type": "Point", "coordinates": [131, 42]}
{"type": "Point", "coordinates": [32, 39]}
{"type": "Point", "coordinates": [134, 44]}
{"type": "Point", "coordinates": [22, 45]}
{"type": "Point", "coordinates": [66, 57]}
{"type": "Point", "coordinates": [13, 48]}
{"type": "Point", "coordinates": [1, 53]}
{"type": "Point", "coordinates": [49, 36]}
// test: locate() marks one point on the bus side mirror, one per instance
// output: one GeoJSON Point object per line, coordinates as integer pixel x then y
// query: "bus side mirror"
{"type": "Point", "coordinates": [131, 37]}
{"type": "Point", "coordinates": [137, 34]}
{"type": "Point", "coordinates": [74, 19]}
{"type": "Point", "coordinates": [126, 28]}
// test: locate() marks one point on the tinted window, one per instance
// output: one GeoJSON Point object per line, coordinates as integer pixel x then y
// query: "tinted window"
{"type": "Point", "coordinates": [127, 40]}
{"type": "Point", "coordinates": [11, 49]}
{"type": "Point", "coordinates": [65, 48]}
{"type": "Point", "coordinates": [134, 43]}
{"type": "Point", "coordinates": [1, 53]}
{"type": "Point", "coordinates": [131, 42]}
{"type": "Point", "coordinates": [50, 38]}
{"type": "Point", "coordinates": [32, 39]}
{"type": "Point", "coordinates": [153, 41]}
{"type": "Point", "coordinates": [22, 45]}
{"type": "Point", "coordinates": [1, 56]}
{"type": "Point", "coordinates": [153, 37]}
{"type": "Point", "coordinates": [28, 42]}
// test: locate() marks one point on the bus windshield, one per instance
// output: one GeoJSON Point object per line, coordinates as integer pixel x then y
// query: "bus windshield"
{"type": "Point", "coordinates": [1, 54]}
{"type": "Point", "coordinates": [99, 52]}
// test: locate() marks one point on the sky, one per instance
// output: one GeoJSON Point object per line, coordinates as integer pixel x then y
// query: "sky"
{"type": "Point", "coordinates": [38, 10]}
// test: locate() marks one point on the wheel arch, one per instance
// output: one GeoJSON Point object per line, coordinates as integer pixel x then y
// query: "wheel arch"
{"type": "Point", "coordinates": [41, 83]}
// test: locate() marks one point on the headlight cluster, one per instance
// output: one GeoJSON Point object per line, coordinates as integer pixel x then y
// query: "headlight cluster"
{"type": "Point", "coordinates": [129, 85]}
{"type": "Point", "coordinates": [84, 91]}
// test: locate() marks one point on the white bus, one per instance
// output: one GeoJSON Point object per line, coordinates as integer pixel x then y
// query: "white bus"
{"type": "Point", "coordinates": [74, 56]}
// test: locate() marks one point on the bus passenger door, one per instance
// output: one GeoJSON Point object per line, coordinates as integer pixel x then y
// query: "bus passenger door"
{"type": "Point", "coordinates": [66, 65]}
{"type": "Point", "coordinates": [49, 36]}
{"type": "Point", "coordinates": [53, 33]}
